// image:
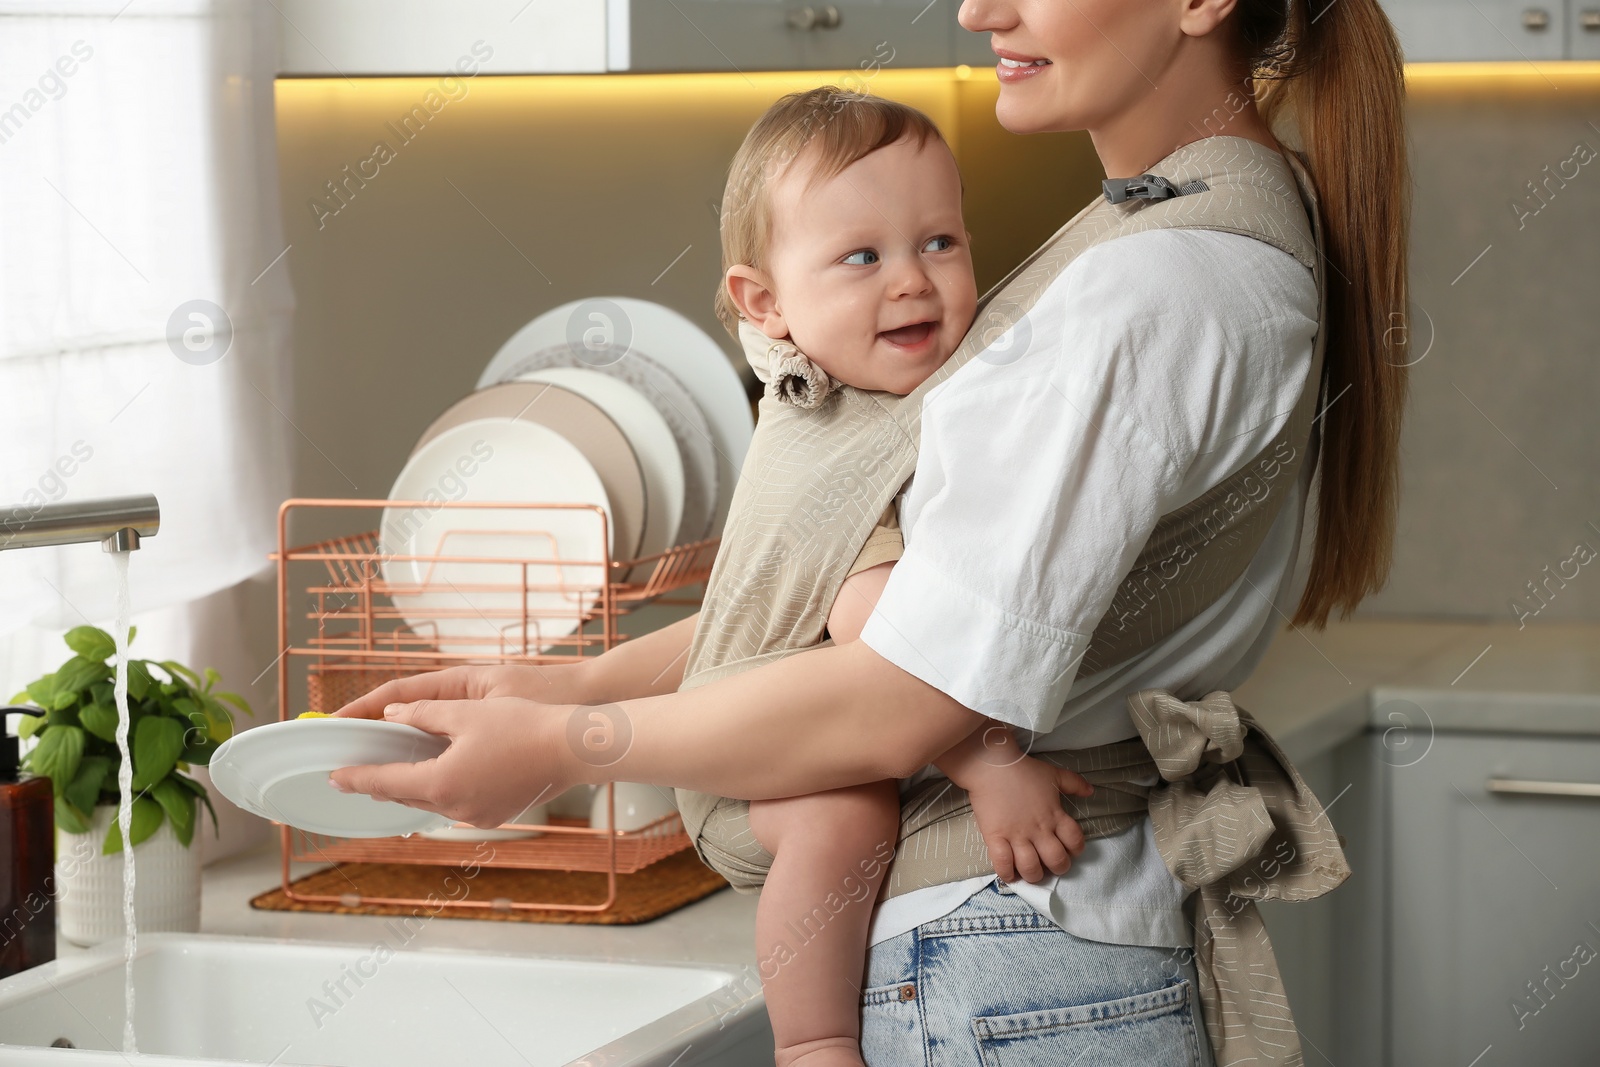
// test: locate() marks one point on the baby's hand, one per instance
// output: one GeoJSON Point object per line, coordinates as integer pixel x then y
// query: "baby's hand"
{"type": "Point", "coordinates": [1019, 813]}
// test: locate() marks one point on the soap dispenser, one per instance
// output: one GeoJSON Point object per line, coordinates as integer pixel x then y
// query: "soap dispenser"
{"type": "Point", "coordinates": [27, 848]}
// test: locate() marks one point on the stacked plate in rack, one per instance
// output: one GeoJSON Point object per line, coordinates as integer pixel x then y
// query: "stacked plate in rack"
{"type": "Point", "coordinates": [619, 407]}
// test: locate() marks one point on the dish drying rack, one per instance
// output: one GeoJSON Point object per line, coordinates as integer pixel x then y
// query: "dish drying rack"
{"type": "Point", "coordinates": [519, 607]}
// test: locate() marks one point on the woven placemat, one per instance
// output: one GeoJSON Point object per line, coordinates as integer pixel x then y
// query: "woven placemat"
{"type": "Point", "coordinates": [662, 887]}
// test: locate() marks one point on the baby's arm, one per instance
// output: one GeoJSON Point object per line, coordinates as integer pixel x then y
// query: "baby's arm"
{"type": "Point", "coordinates": [1016, 798]}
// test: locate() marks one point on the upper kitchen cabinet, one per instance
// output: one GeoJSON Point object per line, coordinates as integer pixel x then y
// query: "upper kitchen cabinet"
{"type": "Point", "coordinates": [726, 35]}
{"type": "Point", "coordinates": [1453, 30]}
{"type": "Point", "coordinates": [1583, 29]}
{"type": "Point", "coordinates": [367, 37]}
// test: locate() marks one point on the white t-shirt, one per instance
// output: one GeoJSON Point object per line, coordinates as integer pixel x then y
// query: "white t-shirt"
{"type": "Point", "coordinates": [1156, 364]}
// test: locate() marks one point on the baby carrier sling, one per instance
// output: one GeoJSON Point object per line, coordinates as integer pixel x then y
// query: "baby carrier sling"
{"type": "Point", "coordinates": [1232, 818]}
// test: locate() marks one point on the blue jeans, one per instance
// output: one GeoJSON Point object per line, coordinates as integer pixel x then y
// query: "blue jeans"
{"type": "Point", "coordinates": [998, 984]}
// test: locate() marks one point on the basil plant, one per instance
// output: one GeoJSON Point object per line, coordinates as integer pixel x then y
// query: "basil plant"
{"type": "Point", "coordinates": [177, 718]}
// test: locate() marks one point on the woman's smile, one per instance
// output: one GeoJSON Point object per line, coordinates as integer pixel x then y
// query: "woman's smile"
{"type": "Point", "coordinates": [1015, 67]}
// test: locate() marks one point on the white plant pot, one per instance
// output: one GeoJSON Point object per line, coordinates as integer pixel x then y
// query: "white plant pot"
{"type": "Point", "coordinates": [166, 893]}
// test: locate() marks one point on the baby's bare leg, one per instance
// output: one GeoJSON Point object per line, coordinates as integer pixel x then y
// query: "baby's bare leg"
{"type": "Point", "coordinates": [830, 852]}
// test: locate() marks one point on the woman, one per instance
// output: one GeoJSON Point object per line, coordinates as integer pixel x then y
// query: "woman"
{"type": "Point", "coordinates": [1192, 346]}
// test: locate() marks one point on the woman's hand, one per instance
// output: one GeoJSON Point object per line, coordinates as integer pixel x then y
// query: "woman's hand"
{"type": "Point", "coordinates": [555, 684]}
{"type": "Point", "coordinates": [484, 777]}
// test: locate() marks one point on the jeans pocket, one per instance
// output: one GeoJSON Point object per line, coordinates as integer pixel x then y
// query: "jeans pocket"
{"type": "Point", "coordinates": [1154, 1029]}
{"type": "Point", "coordinates": [891, 1026]}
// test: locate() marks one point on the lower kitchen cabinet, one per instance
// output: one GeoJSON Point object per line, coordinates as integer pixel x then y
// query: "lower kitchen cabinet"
{"type": "Point", "coordinates": [1469, 932]}
{"type": "Point", "coordinates": [1495, 898]}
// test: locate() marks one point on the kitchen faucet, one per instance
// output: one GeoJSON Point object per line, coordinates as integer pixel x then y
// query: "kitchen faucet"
{"type": "Point", "coordinates": [118, 523]}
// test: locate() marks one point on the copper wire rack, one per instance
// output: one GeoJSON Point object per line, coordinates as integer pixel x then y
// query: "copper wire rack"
{"type": "Point", "coordinates": [497, 591]}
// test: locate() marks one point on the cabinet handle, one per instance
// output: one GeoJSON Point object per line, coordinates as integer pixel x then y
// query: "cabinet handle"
{"type": "Point", "coordinates": [1535, 18]}
{"type": "Point", "coordinates": [1528, 787]}
{"type": "Point", "coordinates": [810, 18]}
{"type": "Point", "coordinates": [1589, 19]}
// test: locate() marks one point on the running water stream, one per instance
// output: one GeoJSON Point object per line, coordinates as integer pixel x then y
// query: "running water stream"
{"type": "Point", "coordinates": [125, 788]}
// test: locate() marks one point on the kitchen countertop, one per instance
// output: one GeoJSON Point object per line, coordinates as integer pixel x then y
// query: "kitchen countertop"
{"type": "Point", "coordinates": [1312, 690]}
{"type": "Point", "coordinates": [718, 929]}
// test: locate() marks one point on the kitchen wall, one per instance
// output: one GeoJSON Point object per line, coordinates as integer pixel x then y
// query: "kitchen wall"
{"type": "Point", "coordinates": [518, 194]}
{"type": "Point", "coordinates": [1500, 471]}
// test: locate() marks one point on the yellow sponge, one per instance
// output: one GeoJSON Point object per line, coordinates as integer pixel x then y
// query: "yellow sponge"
{"type": "Point", "coordinates": [313, 715]}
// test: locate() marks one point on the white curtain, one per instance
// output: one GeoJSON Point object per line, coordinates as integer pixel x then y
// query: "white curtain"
{"type": "Point", "coordinates": [144, 304]}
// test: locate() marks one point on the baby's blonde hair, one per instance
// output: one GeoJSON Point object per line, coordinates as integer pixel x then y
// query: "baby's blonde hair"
{"type": "Point", "coordinates": [843, 125]}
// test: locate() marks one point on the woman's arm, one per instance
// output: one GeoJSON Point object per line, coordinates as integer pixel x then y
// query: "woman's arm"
{"type": "Point", "coordinates": [643, 666]}
{"type": "Point", "coordinates": [821, 719]}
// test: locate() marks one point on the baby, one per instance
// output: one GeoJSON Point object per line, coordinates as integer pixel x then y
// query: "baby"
{"type": "Point", "coordinates": [847, 267]}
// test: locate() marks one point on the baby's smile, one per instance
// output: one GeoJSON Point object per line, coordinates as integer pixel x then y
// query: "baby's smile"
{"type": "Point", "coordinates": [912, 337]}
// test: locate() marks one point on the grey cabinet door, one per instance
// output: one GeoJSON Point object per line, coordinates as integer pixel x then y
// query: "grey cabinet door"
{"type": "Point", "coordinates": [747, 35]}
{"type": "Point", "coordinates": [1583, 29]}
{"type": "Point", "coordinates": [1494, 954]}
{"type": "Point", "coordinates": [1435, 30]}
{"type": "Point", "coordinates": [898, 34]}
{"type": "Point", "coordinates": [711, 35]}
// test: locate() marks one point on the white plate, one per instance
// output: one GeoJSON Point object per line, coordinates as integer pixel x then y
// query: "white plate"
{"type": "Point", "coordinates": [690, 430]}
{"type": "Point", "coordinates": [652, 442]}
{"type": "Point", "coordinates": [494, 460]}
{"type": "Point", "coordinates": [581, 421]}
{"type": "Point", "coordinates": [605, 332]}
{"type": "Point", "coordinates": [280, 771]}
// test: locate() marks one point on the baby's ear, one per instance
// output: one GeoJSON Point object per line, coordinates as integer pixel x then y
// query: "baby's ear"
{"type": "Point", "coordinates": [751, 291]}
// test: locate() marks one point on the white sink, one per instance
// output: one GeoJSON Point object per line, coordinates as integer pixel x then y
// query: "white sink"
{"type": "Point", "coordinates": [232, 1000]}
